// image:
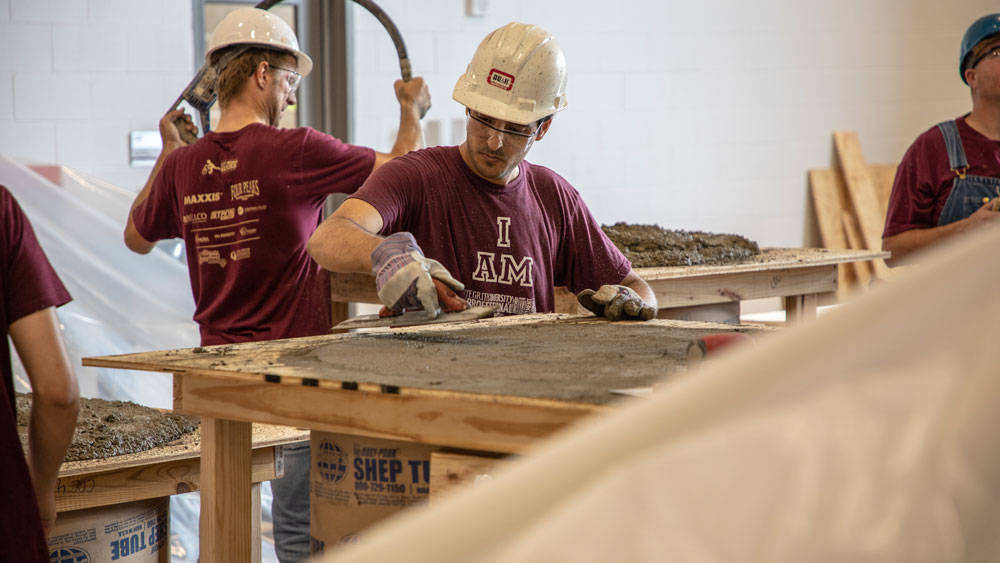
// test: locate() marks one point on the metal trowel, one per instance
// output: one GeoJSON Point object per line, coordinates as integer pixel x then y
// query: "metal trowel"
{"type": "Point", "coordinates": [413, 318]}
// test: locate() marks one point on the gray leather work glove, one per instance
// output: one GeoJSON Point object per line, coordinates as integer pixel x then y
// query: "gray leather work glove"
{"type": "Point", "coordinates": [404, 277]}
{"type": "Point", "coordinates": [616, 302]}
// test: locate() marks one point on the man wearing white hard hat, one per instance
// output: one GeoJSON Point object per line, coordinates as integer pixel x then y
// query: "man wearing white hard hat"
{"type": "Point", "coordinates": [477, 219]}
{"type": "Point", "coordinates": [246, 197]}
{"type": "Point", "coordinates": [949, 178]}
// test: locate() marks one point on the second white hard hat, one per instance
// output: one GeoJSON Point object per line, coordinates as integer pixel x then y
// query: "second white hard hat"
{"type": "Point", "coordinates": [518, 74]}
{"type": "Point", "coordinates": [252, 26]}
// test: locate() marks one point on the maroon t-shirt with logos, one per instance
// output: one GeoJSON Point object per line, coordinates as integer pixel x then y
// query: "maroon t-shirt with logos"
{"type": "Point", "coordinates": [27, 284]}
{"type": "Point", "coordinates": [508, 244]}
{"type": "Point", "coordinates": [245, 203]}
{"type": "Point", "coordinates": [924, 178]}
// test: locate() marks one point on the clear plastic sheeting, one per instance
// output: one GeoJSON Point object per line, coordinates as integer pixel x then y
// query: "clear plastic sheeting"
{"type": "Point", "coordinates": [122, 302]}
{"type": "Point", "coordinates": [867, 435]}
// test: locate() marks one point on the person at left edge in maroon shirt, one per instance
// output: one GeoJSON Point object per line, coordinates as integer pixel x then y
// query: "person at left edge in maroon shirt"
{"type": "Point", "coordinates": [30, 291]}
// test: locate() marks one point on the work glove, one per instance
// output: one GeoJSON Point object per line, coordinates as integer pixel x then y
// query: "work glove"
{"type": "Point", "coordinates": [616, 302]}
{"type": "Point", "coordinates": [404, 277]}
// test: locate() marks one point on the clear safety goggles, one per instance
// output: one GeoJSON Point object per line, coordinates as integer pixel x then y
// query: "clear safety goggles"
{"type": "Point", "coordinates": [293, 76]}
{"type": "Point", "coordinates": [485, 123]}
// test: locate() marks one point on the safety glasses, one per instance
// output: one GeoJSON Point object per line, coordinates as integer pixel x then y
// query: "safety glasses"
{"type": "Point", "coordinates": [524, 132]}
{"type": "Point", "coordinates": [293, 76]}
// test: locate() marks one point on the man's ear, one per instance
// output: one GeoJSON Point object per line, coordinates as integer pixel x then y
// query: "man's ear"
{"type": "Point", "coordinates": [260, 74]}
{"type": "Point", "coordinates": [543, 129]}
{"type": "Point", "coordinates": [970, 76]}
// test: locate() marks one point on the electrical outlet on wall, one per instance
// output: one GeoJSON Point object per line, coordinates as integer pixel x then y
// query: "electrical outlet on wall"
{"type": "Point", "coordinates": [477, 8]}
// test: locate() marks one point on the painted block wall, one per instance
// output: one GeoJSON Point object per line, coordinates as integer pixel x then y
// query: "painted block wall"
{"type": "Point", "coordinates": [695, 115]}
{"type": "Point", "coordinates": [78, 75]}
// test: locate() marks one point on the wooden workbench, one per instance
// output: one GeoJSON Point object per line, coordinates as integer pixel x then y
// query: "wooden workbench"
{"type": "Point", "coordinates": [162, 471]}
{"type": "Point", "coordinates": [798, 275]}
{"type": "Point", "coordinates": [174, 468]}
{"type": "Point", "coordinates": [321, 383]}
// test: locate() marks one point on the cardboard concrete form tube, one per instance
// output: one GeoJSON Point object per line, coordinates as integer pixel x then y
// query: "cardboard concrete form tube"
{"type": "Point", "coordinates": [868, 434]}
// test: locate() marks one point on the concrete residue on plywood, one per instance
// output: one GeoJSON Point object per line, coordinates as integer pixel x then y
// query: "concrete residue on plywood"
{"type": "Point", "coordinates": [648, 246]}
{"type": "Point", "coordinates": [111, 428]}
{"type": "Point", "coordinates": [573, 361]}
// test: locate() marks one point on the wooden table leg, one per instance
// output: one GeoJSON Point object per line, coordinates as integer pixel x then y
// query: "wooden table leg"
{"type": "Point", "coordinates": [226, 506]}
{"type": "Point", "coordinates": [255, 554]}
{"type": "Point", "coordinates": [799, 308]}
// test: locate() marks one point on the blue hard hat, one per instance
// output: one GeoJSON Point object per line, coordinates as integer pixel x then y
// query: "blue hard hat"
{"type": "Point", "coordinates": [982, 28]}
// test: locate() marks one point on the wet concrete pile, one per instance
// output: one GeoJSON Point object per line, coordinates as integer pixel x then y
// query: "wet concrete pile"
{"type": "Point", "coordinates": [649, 246]}
{"type": "Point", "coordinates": [110, 428]}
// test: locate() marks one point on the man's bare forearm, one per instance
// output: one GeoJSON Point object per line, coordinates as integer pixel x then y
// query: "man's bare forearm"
{"type": "Point", "coordinates": [341, 245]}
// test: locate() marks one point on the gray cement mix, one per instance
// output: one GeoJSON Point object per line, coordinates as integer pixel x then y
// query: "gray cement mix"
{"type": "Point", "coordinates": [578, 361]}
{"type": "Point", "coordinates": [111, 428]}
{"type": "Point", "coordinates": [648, 246]}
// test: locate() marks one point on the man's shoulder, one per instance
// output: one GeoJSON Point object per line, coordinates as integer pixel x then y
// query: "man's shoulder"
{"type": "Point", "coordinates": [929, 144]}
{"type": "Point", "coordinates": [543, 177]}
{"type": "Point", "coordinates": [430, 160]}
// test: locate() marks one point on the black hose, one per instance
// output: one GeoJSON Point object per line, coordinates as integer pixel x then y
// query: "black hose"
{"type": "Point", "coordinates": [387, 23]}
{"type": "Point", "coordinates": [397, 39]}
{"type": "Point", "coordinates": [266, 4]}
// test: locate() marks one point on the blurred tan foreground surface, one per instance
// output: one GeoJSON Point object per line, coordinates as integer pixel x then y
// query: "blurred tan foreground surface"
{"type": "Point", "coordinates": [867, 435]}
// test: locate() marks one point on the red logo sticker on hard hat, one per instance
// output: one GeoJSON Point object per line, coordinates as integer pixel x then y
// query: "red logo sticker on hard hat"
{"type": "Point", "coordinates": [500, 79]}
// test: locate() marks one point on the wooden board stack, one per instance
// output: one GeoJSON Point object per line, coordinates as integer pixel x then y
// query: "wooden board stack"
{"type": "Point", "coordinates": [850, 202]}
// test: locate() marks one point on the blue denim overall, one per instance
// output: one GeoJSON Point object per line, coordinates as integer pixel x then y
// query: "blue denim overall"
{"type": "Point", "coordinates": [968, 193]}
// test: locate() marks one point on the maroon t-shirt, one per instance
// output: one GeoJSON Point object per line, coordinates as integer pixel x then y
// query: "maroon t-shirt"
{"type": "Point", "coordinates": [28, 284]}
{"type": "Point", "coordinates": [27, 281]}
{"type": "Point", "coordinates": [508, 244]}
{"type": "Point", "coordinates": [245, 203]}
{"type": "Point", "coordinates": [924, 178]}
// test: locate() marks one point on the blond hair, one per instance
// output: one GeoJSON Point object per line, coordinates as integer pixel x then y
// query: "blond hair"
{"type": "Point", "coordinates": [233, 78]}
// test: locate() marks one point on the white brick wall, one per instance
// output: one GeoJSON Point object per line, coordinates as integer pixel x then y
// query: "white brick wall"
{"type": "Point", "coordinates": [6, 95]}
{"type": "Point", "coordinates": [689, 114]}
{"type": "Point", "coordinates": [698, 115]}
{"type": "Point", "coordinates": [49, 96]}
{"type": "Point", "coordinates": [49, 11]}
{"type": "Point", "coordinates": [80, 74]}
{"type": "Point", "coordinates": [27, 47]}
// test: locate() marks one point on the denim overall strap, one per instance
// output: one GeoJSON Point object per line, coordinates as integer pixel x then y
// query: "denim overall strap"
{"type": "Point", "coordinates": [968, 192]}
{"type": "Point", "coordinates": [956, 152]}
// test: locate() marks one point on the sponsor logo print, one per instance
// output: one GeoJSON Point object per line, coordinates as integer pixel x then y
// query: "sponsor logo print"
{"type": "Point", "coordinates": [241, 210]}
{"type": "Point", "coordinates": [500, 79]}
{"type": "Point", "coordinates": [247, 231]}
{"type": "Point", "coordinates": [210, 167]}
{"type": "Point", "coordinates": [206, 256]}
{"type": "Point", "coordinates": [239, 254]}
{"type": "Point", "coordinates": [198, 239]}
{"type": "Point", "coordinates": [244, 190]}
{"type": "Point", "coordinates": [224, 214]}
{"type": "Point", "coordinates": [196, 217]}
{"type": "Point", "coordinates": [207, 197]}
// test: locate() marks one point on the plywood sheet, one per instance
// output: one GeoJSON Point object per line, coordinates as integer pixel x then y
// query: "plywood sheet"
{"type": "Point", "coordinates": [860, 188]}
{"type": "Point", "coordinates": [829, 201]}
{"type": "Point", "coordinates": [883, 176]}
{"type": "Point", "coordinates": [552, 357]}
{"type": "Point", "coordinates": [360, 288]}
{"type": "Point", "coordinates": [769, 259]}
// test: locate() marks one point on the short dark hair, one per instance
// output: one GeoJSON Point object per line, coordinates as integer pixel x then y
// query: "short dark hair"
{"type": "Point", "coordinates": [233, 77]}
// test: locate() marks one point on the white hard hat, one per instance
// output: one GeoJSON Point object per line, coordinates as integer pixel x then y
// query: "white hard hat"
{"type": "Point", "coordinates": [518, 74]}
{"type": "Point", "coordinates": [252, 26]}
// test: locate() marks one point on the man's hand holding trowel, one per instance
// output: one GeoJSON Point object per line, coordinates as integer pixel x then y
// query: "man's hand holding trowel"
{"type": "Point", "coordinates": [406, 279]}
